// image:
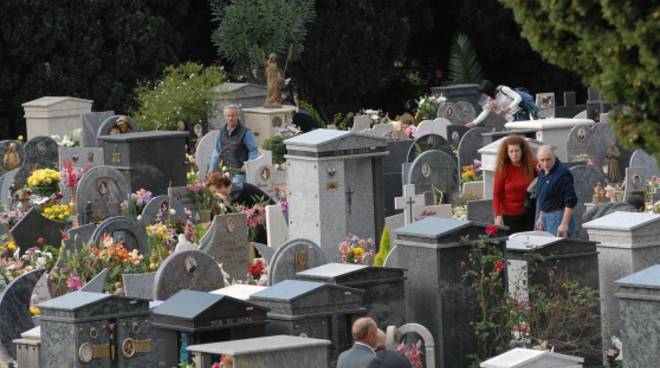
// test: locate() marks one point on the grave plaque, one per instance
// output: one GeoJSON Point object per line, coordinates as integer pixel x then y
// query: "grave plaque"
{"type": "Point", "coordinates": [578, 142]}
{"type": "Point", "coordinates": [428, 142]}
{"type": "Point", "coordinates": [449, 111]}
{"type": "Point", "coordinates": [546, 104]}
{"type": "Point", "coordinates": [294, 256]}
{"type": "Point", "coordinates": [40, 153]}
{"type": "Point", "coordinates": [193, 317]}
{"type": "Point", "coordinates": [151, 160]}
{"type": "Point", "coordinates": [317, 310]}
{"type": "Point", "coordinates": [34, 226]}
{"type": "Point", "coordinates": [226, 241]}
{"type": "Point", "coordinates": [431, 250]}
{"type": "Point", "coordinates": [455, 133]}
{"type": "Point", "coordinates": [384, 288]}
{"type": "Point", "coordinates": [83, 329]}
{"type": "Point", "coordinates": [12, 156]}
{"type": "Point", "coordinates": [187, 269]}
{"type": "Point", "coordinates": [466, 112]}
{"type": "Point", "coordinates": [434, 171]}
{"type": "Point", "coordinates": [123, 229]}
{"type": "Point", "coordinates": [100, 194]}
{"type": "Point", "coordinates": [635, 182]}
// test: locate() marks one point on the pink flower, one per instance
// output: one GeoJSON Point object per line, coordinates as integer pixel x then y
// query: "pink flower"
{"type": "Point", "coordinates": [74, 283]}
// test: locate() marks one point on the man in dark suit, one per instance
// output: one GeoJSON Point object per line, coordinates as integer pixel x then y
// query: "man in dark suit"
{"type": "Point", "coordinates": [365, 334]}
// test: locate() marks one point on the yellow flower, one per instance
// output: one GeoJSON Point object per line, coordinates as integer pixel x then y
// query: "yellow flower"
{"type": "Point", "coordinates": [10, 245]}
{"type": "Point", "coordinates": [358, 251]}
{"type": "Point", "coordinates": [35, 311]}
{"type": "Point", "coordinates": [20, 138]}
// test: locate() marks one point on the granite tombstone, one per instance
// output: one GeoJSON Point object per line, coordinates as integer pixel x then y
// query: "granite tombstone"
{"type": "Point", "coordinates": [259, 171]}
{"type": "Point", "coordinates": [468, 147]}
{"type": "Point", "coordinates": [585, 179]}
{"type": "Point", "coordinates": [139, 285]}
{"type": "Point", "coordinates": [40, 153]}
{"type": "Point", "coordinates": [162, 208]}
{"type": "Point", "coordinates": [204, 151]}
{"type": "Point", "coordinates": [466, 112]}
{"type": "Point", "coordinates": [434, 171]}
{"type": "Point", "coordinates": [226, 242]}
{"type": "Point", "coordinates": [426, 143]}
{"type": "Point", "coordinates": [294, 256]}
{"type": "Point", "coordinates": [115, 125]}
{"type": "Point", "coordinates": [6, 183]}
{"type": "Point", "coordinates": [100, 194]}
{"type": "Point", "coordinates": [188, 269]}
{"type": "Point", "coordinates": [392, 173]}
{"type": "Point", "coordinates": [642, 159]}
{"type": "Point", "coordinates": [91, 121]}
{"type": "Point", "coordinates": [123, 229]}
{"type": "Point", "coordinates": [29, 230]}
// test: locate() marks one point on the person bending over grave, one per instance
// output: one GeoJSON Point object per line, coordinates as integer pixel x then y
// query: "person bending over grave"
{"type": "Point", "coordinates": [515, 170]}
{"type": "Point", "coordinates": [243, 194]}
{"type": "Point", "coordinates": [510, 104]}
{"type": "Point", "coordinates": [234, 146]}
{"type": "Point", "coordinates": [556, 195]}
{"type": "Point", "coordinates": [388, 358]}
{"type": "Point", "coordinates": [365, 334]}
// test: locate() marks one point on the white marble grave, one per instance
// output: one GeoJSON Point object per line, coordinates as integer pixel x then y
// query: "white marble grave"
{"type": "Point", "coordinates": [551, 131]}
{"type": "Point", "coordinates": [277, 229]}
{"type": "Point", "coordinates": [54, 115]}
{"type": "Point", "coordinates": [412, 204]}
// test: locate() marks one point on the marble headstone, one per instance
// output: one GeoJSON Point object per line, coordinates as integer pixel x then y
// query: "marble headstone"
{"type": "Point", "coordinates": [468, 147]}
{"type": "Point", "coordinates": [277, 229]}
{"type": "Point", "coordinates": [34, 226]}
{"type": "Point", "coordinates": [188, 269]}
{"type": "Point", "coordinates": [162, 208]}
{"type": "Point", "coordinates": [139, 285]}
{"type": "Point", "coordinates": [412, 205]}
{"type": "Point", "coordinates": [204, 151]}
{"type": "Point", "coordinates": [91, 121]}
{"type": "Point", "coordinates": [12, 155]}
{"type": "Point", "coordinates": [585, 179]}
{"type": "Point", "coordinates": [426, 143]}
{"type": "Point", "coordinates": [259, 171]}
{"type": "Point", "coordinates": [100, 194]}
{"type": "Point", "coordinates": [649, 164]}
{"type": "Point", "coordinates": [122, 228]}
{"type": "Point", "coordinates": [434, 170]}
{"type": "Point", "coordinates": [466, 112]}
{"type": "Point", "coordinates": [226, 242]}
{"type": "Point", "coordinates": [635, 182]}
{"type": "Point", "coordinates": [40, 153]}
{"type": "Point", "coordinates": [292, 257]}
{"type": "Point", "coordinates": [449, 111]}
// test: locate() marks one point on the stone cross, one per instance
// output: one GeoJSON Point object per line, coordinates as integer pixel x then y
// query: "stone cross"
{"type": "Point", "coordinates": [411, 204]}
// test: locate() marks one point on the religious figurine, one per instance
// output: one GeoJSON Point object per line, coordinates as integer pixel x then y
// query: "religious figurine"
{"type": "Point", "coordinates": [613, 169]}
{"type": "Point", "coordinates": [121, 126]}
{"type": "Point", "coordinates": [599, 194]}
{"type": "Point", "coordinates": [274, 82]}
{"type": "Point", "coordinates": [11, 160]}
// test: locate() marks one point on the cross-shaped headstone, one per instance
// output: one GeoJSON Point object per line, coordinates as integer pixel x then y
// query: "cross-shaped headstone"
{"type": "Point", "coordinates": [412, 204]}
{"type": "Point", "coordinates": [349, 201]}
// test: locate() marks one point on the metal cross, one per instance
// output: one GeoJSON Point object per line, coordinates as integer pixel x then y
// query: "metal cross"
{"type": "Point", "coordinates": [410, 203]}
{"type": "Point", "coordinates": [349, 194]}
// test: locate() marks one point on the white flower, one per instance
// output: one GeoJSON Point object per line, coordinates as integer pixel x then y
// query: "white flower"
{"type": "Point", "coordinates": [172, 211]}
{"type": "Point", "coordinates": [41, 262]}
{"type": "Point", "coordinates": [139, 217]}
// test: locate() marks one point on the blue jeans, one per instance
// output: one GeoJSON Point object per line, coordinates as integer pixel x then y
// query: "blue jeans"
{"type": "Point", "coordinates": [238, 179]}
{"type": "Point", "coordinates": [552, 220]}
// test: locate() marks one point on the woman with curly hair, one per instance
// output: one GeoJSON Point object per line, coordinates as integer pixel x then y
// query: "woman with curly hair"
{"type": "Point", "coordinates": [516, 168]}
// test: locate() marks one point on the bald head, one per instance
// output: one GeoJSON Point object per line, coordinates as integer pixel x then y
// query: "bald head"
{"type": "Point", "coordinates": [546, 157]}
{"type": "Point", "coordinates": [365, 330]}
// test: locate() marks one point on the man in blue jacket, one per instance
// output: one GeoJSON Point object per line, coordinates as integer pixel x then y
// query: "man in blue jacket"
{"type": "Point", "coordinates": [235, 144]}
{"type": "Point", "coordinates": [556, 195]}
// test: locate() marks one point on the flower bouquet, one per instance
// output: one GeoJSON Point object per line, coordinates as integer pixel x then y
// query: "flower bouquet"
{"type": "Point", "coordinates": [57, 212]}
{"type": "Point", "coordinates": [135, 204]}
{"type": "Point", "coordinates": [471, 173]}
{"type": "Point", "coordinates": [257, 272]}
{"type": "Point", "coordinates": [256, 217]}
{"type": "Point", "coordinates": [427, 106]}
{"type": "Point", "coordinates": [412, 353]}
{"type": "Point", "coordinates": [44, 182]}
{"type": "Point", "coordinates": [353, 249]}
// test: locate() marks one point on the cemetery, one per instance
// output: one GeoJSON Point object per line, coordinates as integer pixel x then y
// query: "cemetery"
{"type": "Point", "coordinates": [217, 218]}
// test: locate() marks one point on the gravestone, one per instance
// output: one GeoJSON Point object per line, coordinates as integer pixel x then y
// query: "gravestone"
{"type": "Point", "coordinates": [468, 147]}
{"type": "Point", "coordinates": [428, 142]}
{"type": "Point", "coordinates": [392, 173]}
{"type": "Point", "coordinates": [139, 285]}
{"type": "Point", "coordinates": [473, 189]}
{"type": "Point", "coordinates": [226, 241]}
{"type": "Point", "coordinates": [91, 121]}
{"type": "Point", "coordinates": [460, 92]}
{"type": "Point", "coordinates": [569, 108]}
{"type": "Point", "coordinates": [271, 351]}
{"type": "Point", "coordinates": [34, 226]}
{"type": "Point", "coordinates": [52, 115]}
{"type": "Point", "coordinates": [635, 182]}
{"type": "Point", "coordinates": [577, 145]}
{"type": "Point", "coordinates": [639, 305]}
{"type": "Point", "coordinates": [551, 131]}
{"type": "Point", "coordinates": [259, 171]}
{"type": "Point", "coordinates": [531, 358]}
{"type": "Point", "coordinates": [204, 151]}
{"type": "Point", "coordinates": [431, 251]}
{"type": "Point", "coordinates": [437, 126]}
{"type": "Point", "coordinates": [122, 228]}
{"type": "Point", "coordinates": [380, 130]}
{"type": "Point", "coordinates": [266, 123]}
{"type": "Point", "coordinates": [5, 188]}
{"type": "Point", "coordinates": [339, 172]}
{"type": "Point", "coordinates": [82, 157]}
{"type": "Point", "coordinates": [12, 156]}
{"type": "Point", "coordinates": [187, 270]}
{"type": "Point", "coordinates": [100, 194]}
{"type": "Point", "coordinates": [585, 179]}
{"type": "Point", "coordinates": [595, 105]}
{"type": "Point", "coordinates": [361, 123]}
{"type": "Point", "coordinates": [294, 256]}
{"type": "Point", "coordinates": [192, 317]}
{"type": "Point", "coordinates": [546, 104]}
{"type": "Point", "coordinates": [629, 242]}
{"type": "Point", "coordinates": [151, 160]}
{"type": "Point", "coordinates": [601, 139]}
{"type": "Point", "coordinates": [315, 309]}
{"type": "Point", "coordinates": [466, 112]}
{"type": "Point", "coordinates": [395, 221]}
{"type": "Point", "coordinates": [494, 122]}
{"type": "Point", "coordinates": [277, 230]}
{"type": "Point", "coordinates": [109, 127]}
{"type": "Point", "coordinates": [449, 111]}
{"type": "Point", "coordinates": [581, 115]}
{"type": "Point", "coordinates": [40, 153]}
{"type": "Point", "coordinates": [394, 335]}
{"type": "Point", "coordinates": [480, 211]}
{"type": "Point", "coordinates": [640, 158]}
{"type": "Point", "coordinates": [384, 288]}
{"type": "Point", "coordinates": [434, 170]}
{"type": "Point", "coordinates": [412, 204]}
{"type": "Point", "coordinates": [15, 316]}
{"type": "Point", "coordinates": [95, 285]}
{"type": "Point", "coordinates": [184, 196]}
{"type": "Point", "coordinates": [455, 134]}
{"type": "Point", "coordinates": [265, 251]}
{"type": "Point", "coordinates": [78, 236]}
{"type": "Point", "coordinates": [162, 208]}
{"type": "Point", "coordinates": [105, 330]}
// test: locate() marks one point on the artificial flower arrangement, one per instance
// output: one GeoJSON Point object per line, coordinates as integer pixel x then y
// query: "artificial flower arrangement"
{"type": "Point", "coordinates": [471, 172]}
{"type": "Point", "coordinates": [427, 106]}
{"type": "Point", "coordinates": [44, 182]}
{"type": "Point", "coordinates": [354, 249]}
{"type": "Point", "coordinates": [413, 353]}
{"type": "Point", "coordinates": [258, 272]}
{"type": "Point", "coordinates": [135, 204]}
{"type": "Point", "coordinates": [57, 212]}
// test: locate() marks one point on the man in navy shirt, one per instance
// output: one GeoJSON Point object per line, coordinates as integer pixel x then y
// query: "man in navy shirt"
{"type": "Point", "coordinates": [235, 144]}
{"type": "Point", "coordinates": [556, 195]}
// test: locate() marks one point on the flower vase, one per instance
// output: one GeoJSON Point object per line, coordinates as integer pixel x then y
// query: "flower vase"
{"type": "Point", "coordinates": [205, 215]}
{"type": "Point", "coordinates": [72, 204]}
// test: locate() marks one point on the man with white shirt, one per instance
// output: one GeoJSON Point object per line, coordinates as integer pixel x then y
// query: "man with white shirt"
{"type": "Point", "coordinates": [365, 334]}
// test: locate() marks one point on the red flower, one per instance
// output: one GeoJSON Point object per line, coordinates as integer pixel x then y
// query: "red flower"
{"type": "Point", "coordinates": [491, 230]}
{"type": "Point", "coordinates": [499, 266]}
{"type": "Point", "coordinates": [41, 240]}
{"type": "Point", "coordinates": [257, 268]}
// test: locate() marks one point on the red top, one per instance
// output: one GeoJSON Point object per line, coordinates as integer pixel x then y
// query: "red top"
{"type": "Point", "coordinates": [509, 191]}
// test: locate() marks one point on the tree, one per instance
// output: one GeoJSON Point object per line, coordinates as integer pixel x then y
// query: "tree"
{"type": "Point", "coordinates": [383, 249]}
{"type": "Point", "coordinates": [613, 46]}
{"type": "Point", "coordinates": [252, 29]}
{"type": "Point", "coordinates": [463, 62]}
